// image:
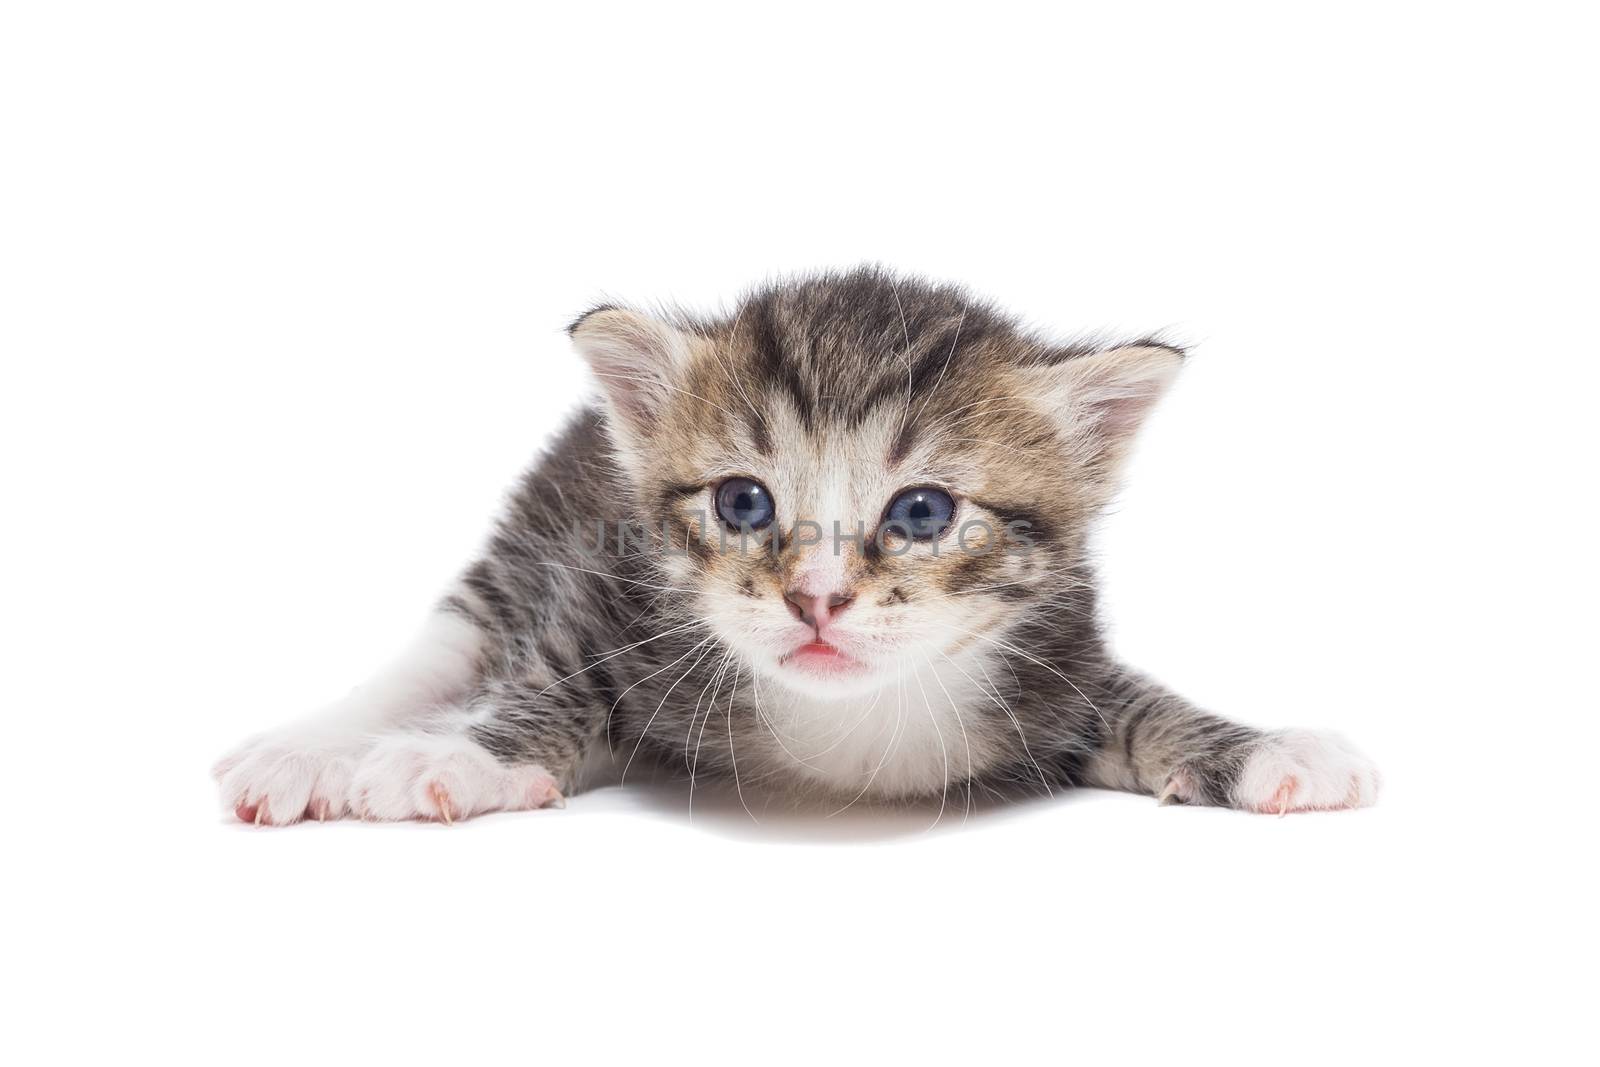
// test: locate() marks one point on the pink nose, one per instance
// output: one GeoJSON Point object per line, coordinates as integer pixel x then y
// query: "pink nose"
{"type": "Point", "coordinates": [816, 611]}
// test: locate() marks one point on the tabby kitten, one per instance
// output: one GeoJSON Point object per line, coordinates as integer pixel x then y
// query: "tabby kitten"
{"type": "Point", "coordinates": [833, 543]}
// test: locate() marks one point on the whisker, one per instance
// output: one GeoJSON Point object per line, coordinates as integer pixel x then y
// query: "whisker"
{"type": "Point", "coordinates": [906, 330]}
{"type": "Point", "coordinates": [716, 351]}
{"type": "Point", "coordinates": [965, 741]}
{"type": "Point", "coordinates": [733, 754]}
{"type": "Point", "coordinates": [894, 740]}
{"type": "Point", "coordinates": [645, 732]}
{"type": "Point", "coordinates": [604, 574]}
{"type": "Point", "coordinates": [946, 365]}
{"type": "Point", "coordinates": [944, 754]}
{"type": "Point", "coordinates": [711, 706]}
{"type": "Point", "coordinates": [994, 695]}
{"type": "Point", "coordinates": [610, 711]}
{"type": "Point", "coordinates": [626, 648]}
{"type": "Point", "coordinates": [1046, 666]}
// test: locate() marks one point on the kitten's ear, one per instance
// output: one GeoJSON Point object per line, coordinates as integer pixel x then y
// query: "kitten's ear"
{"type": "Point", "coordinates": [636, 358]}
{"type": "Point", "coordinates": [1102, 398]}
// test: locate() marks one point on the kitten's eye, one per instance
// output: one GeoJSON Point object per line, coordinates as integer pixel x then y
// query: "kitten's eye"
{"type": "Point", "coordinates": [744, 502]}
{"type": "Point", "coordinates": [921, 513]}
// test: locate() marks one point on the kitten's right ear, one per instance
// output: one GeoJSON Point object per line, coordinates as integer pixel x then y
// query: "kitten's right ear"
{"type": "Point", "coordinates": [636, 358]}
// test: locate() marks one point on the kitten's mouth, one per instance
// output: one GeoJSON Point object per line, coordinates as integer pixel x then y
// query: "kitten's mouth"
{"type": "Point", "coordinates": [819, 657]}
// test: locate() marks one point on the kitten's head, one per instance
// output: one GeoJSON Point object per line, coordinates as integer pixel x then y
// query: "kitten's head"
{"type": "Point", "coordinates": [860, 474]}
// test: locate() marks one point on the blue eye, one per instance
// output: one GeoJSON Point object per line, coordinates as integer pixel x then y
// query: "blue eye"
{"type": "Point", "coordinates": [922, 514]}
{"type": "Point", "coordinates": [744, 503]}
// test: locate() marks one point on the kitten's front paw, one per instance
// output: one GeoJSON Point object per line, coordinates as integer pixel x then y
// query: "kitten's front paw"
{"type": "Point", "coordinates": [1306, 770]}
{"type": "Point", "coordinates": [280, 778]}
{"type": "Point", "coordinates": [444, 779]}
{"type": "Point", "coordinates": [1292, 770]}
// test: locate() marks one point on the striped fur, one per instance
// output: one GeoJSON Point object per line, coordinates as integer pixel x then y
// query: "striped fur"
{"type": "Point", "coordinates": [977, 665]}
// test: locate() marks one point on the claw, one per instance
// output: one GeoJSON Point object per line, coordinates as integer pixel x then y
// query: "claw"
{"type": "Point", "coordinates": [550, 798]}
{"type": "Point", "coordinates": [261, 811]}
{"type": "Point", "coordinates": [1282, 798]}
{"type": "Point", "coordinates": [442, 799]}
{"type": "Point", "coordinates": [1173, 792]}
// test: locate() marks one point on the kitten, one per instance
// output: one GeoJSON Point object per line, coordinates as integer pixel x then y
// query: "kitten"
{"type": "Point", "coordinates": [833, 543]}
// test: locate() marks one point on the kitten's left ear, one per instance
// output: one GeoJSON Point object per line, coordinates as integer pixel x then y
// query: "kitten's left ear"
{"type": "Point", "coordinates": [636, 358]}
{"type": "Point", "coordinates": [1101, 399]}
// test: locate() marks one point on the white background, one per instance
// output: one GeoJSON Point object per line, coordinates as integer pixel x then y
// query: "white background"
{"type": "Point", "coordinates": [281, 310]}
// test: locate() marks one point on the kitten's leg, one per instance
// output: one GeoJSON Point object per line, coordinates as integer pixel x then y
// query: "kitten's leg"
{"type": "Point", "coordinates": [514, 746]}
{"type": "Point", "coordinates": [441, 772]}
{"type": "Point", "coordinates": [1162, 745]}
{"type": "Point", "coordinates": [305, 769]}
{"type": "Point", "coordinates": [516, 742]}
